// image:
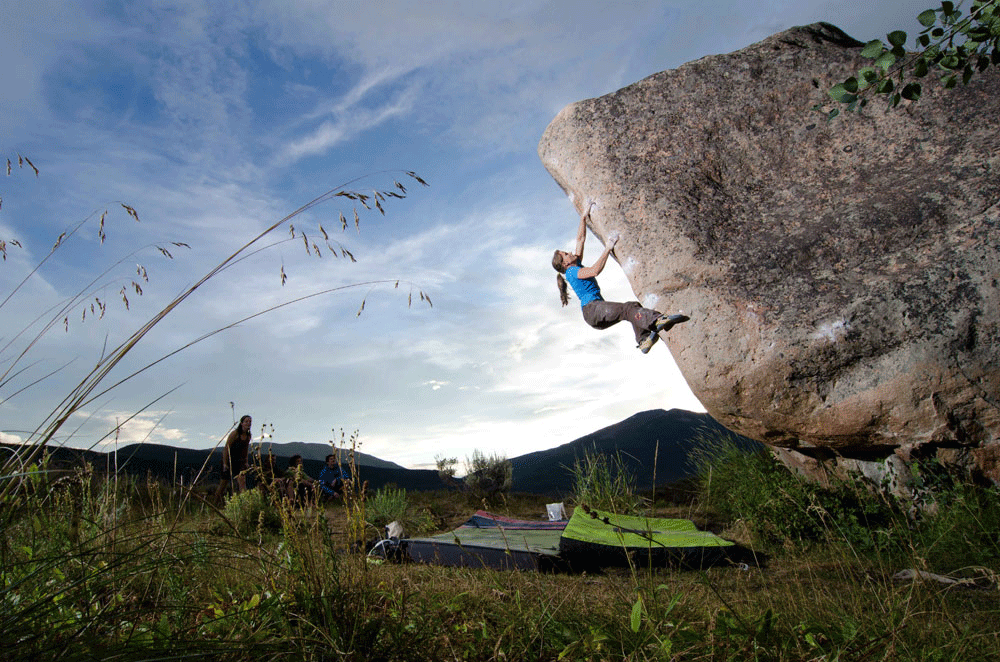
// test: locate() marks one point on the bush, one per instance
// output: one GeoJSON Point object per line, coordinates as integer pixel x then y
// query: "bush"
{"type": "Point", "coordinates": [487, 477]}
{"type": "Point", "coordinates": [603, 482]}
{"type": "Point", "coordinates": [959, 523]}
{"type": "Point", "coordinates": [388, 504]}
{"type": "Point", "coordinates": [781, 508]}
{"type": "Point", "coordinates": [446, 469]}
{"type": "Point", "coordinates": [956, 528]}
{"type": "Point", "coordinates": [251, 510]}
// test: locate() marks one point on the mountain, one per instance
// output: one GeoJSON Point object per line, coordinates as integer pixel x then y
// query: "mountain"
{"type": "Point", "coordinates": [319, 452]}
{"type": "Point", "coordinates": [652, 445]}
{"type": "Point", "coordinates": [668, 437]}
{"type": "Point", "coordinates": [181, 465]}
{"type": "Point", "coordinates": [308, 451]}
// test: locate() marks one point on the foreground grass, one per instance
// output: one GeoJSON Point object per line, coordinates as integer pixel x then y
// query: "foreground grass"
{"type": "Point", "coordinates": [110, 572]}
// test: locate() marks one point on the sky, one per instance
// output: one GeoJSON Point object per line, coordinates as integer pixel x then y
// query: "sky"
{"type": "Point", "coordinates": [214, 120]}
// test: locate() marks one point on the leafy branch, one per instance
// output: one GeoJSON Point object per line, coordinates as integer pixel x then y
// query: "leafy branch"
{"type": "Point", "coordinates": [955, 46]}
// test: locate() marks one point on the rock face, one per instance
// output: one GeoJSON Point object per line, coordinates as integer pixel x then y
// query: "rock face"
{"type": "Point", "coordinates": [841, 276]}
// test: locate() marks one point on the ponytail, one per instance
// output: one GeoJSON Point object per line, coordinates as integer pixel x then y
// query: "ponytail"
{"type": "Point", "coordinates": [557, 264]}
{"type": "Point", "coordinates": [563, 292]}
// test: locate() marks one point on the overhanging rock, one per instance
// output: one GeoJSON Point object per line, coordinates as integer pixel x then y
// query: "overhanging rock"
{"type": "Point", "coordinates": [841, 276]}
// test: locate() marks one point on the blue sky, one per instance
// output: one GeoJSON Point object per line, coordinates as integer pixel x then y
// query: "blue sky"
{"type": "Point", "coordinates": [215, 119]}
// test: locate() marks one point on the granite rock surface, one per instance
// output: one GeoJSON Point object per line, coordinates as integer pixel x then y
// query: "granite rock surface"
{"type": "Point", "coordinates": [841, 276]}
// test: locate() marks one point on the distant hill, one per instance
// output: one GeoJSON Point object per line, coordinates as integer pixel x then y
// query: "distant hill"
{"type": "Point", "coordinates": [319, 452]}
{"type": "Point", "coordinates": [183, 464]}
{"type": "Point", "coordinates": [676, 432]}
{"type": "Point", "coordinates": [308, 451]}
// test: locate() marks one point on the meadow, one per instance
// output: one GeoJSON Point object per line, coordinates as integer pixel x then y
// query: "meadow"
{"type": "Point", "coordinates": [96, 567]}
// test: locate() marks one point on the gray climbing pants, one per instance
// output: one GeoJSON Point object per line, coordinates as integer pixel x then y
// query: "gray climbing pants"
{"type": "Point", "coordinates": [602, 314]}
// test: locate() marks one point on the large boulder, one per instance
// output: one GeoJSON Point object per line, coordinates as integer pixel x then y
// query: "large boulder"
{"type": "Point", "coordinates": [841, 276]}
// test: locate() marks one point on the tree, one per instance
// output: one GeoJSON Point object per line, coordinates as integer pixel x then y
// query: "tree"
{"type": "Point", "coordinates": [951, 44]}
{"type": "Point", "coordinates": [487, 476]}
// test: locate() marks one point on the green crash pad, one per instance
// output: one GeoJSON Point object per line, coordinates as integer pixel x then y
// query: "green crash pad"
{"type": "Point", "coordinates": [597, 539]}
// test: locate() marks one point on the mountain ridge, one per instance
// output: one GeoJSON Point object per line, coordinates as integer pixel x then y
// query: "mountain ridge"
{"type": "Point", "coordinates": [653, 446]}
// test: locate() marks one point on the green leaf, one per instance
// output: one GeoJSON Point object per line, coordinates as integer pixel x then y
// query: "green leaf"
{"type": "Point", "coordinates": [911, 92]}
{"type": "Point", "coordinates": [947, 8]}
{"type": "Point", "coordinates": [923, 41]}
{"type": "Point", "coordinates": [951, 62]}
{"type": "Point", "coordinates": [927, 17]}
{"type": "Point", "coordinates": [978, 34]}
{"type": "Point", "coordinates": [833, 113]}
{"type": "Point", "coordinates": [896, 37]}
{"type": "Point", "coordinates": [949, 82]}
{"type": "Point", "coordinates": [637, 615]}
{"type": "Point", "coordinates": [967, 74]}
{"type": "Point", "coordinates": [920, 68]}
{"type": "Point", "coordinates": [872, 49]}
{"type": "Point", "coordinates": [851, 84]}
{"type": "Point", "coordinates": [895, 100]}
{"type": "Point", "coordinates": [885, 61]}
{"type": "Point", "coordinates": [840, 93]}
{"type": "Point", "coordinates": [885, 87]}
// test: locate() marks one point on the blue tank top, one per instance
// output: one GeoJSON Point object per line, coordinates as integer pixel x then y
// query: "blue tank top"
{"type": "Point", "coordinates": [587, 289]}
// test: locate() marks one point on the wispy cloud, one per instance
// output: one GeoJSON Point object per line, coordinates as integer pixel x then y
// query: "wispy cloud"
{"type": "Point", "coordinates": [349, 121]}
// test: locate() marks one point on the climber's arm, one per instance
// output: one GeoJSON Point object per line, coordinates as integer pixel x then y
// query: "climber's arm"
{"type": "Point", "coordinates": [581, 233]}
{"type": "Point", "coordinates": [597, 267]}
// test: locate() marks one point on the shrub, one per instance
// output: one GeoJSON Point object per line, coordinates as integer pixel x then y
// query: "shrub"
{"type": "Point", "coordinates": [487, 477]}
{"type": "Point", "coordinates": [603, 482]}
{"type": "Point", "coordinates": [956, 528]}
{"type": "Point", "coordinates": [250, 510]}
{"type": "Point", "coordinates": [446, 469]}
{"type": "Point", "coordinates": [781, 508]}
{"type": "Point", "coordinates": [388, 504]}
{"type": "Point", "coordinates": [959, 524]}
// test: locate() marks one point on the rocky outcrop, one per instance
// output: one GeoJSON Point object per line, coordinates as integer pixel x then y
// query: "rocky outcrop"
{"type": "Point", "coordinates": [841, 276]}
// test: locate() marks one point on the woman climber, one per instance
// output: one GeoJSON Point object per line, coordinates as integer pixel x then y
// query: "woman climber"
{"type": "Point", "coordinates": [597, 312]}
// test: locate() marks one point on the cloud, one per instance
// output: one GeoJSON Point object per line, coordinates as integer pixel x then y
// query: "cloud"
{"type": "Point", "coordinates": [348, 121]}
{"type": "Point", "coordinates": [8, 438]}
{"type": "Point", "coordinates": [120, 428]}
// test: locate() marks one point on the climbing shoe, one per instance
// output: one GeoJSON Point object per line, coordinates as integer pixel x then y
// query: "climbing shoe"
{"type": "Point", "coordinates": [667, 322]}
{"type": "Point", "coordinates": [648, 341]}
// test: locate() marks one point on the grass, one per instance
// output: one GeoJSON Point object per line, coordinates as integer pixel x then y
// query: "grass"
{"type": "Point", "coordinates": [137, 574]}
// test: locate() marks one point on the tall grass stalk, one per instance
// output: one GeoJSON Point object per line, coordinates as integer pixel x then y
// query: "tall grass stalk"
{"type": "Point", "coordinates": [603, 482]}
{"type": "Point", "coordinates": [86, 391]}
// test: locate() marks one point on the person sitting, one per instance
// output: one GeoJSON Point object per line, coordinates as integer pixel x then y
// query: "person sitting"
{"type": "Point", "coordinates": [269, 479]}
{"type": "Point", "coordinates": [332, 478]}
{"type": "Point", "coordinates": [300, 487]}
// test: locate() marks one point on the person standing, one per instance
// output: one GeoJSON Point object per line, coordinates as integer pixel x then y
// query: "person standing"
{"type": "Point", "coordinates": [235, 458]}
